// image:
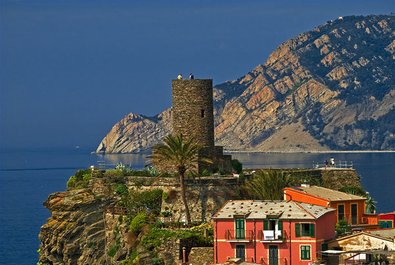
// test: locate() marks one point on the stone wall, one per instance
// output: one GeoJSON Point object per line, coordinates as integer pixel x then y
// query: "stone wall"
{"type": "Point", "coordinates": [192, 110]}
{"type": "Point", "coordinates": [201, 256]}
{"type": "Point", "coordinates": [205, 195]}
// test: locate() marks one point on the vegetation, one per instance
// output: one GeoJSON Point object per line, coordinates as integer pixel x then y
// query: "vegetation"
{"type": "Point", "coordinates": [181, 155]}
{"type": "Point", "coordinates": [342, 228]}
{"type": "Point", "coordinates": [237, 166]}
{"type": "Point", "coordinates": [146, 201]}
{"type": "Point", "coordinates": [266, 185]}
{"type": "Point", "coordinates": [370, 203]}
{"type": "Point", "coordinates": [80, 179]}
{"type": "Point", "coordinates": [138, 222]}
{"type": "Point", "coordinates": [354, 190]}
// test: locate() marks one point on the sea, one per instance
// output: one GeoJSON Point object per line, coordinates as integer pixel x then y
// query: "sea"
{"type": "Point", "coordinates": [27, 177]}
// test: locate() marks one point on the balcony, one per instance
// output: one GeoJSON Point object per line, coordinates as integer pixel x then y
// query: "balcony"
{"type": "Point", "coordinates": [364, 220]}
{"type": "Point", "coordinates": [239, 235]}
{"type": "Point", "coordinates": [271, 236]}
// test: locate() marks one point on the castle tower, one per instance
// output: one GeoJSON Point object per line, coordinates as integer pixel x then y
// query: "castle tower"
{"type": "Point", "coordinates": [192, 112]}
{"type": "Point", "coordinates": [192, 117]}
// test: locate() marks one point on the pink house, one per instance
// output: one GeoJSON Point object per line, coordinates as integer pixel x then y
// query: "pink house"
{"type": "Point", "coordinates": [272, 232]}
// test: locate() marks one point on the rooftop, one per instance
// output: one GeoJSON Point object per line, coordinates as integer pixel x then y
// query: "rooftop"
{"type": "Point", "coordinates": [385, 233]}
{"type": "Point", "coordinates": [271, 209]}
{"type": "Point", "coordinates": [328, 194]}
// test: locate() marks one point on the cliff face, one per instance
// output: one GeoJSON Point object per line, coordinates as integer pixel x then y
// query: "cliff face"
{"type": "Point", "coordinates": [136, 133]}
{"type": "Point", "coordinates": [329, 88]}
{"type": "Point", "coordinates": [75, 233]}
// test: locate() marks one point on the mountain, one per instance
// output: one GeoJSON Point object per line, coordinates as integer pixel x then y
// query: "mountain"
{"type": "Point", "coordinates": [332, 88]}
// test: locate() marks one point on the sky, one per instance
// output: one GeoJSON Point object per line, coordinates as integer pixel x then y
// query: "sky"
{"type": "Point", "coordinates": [71, 69]}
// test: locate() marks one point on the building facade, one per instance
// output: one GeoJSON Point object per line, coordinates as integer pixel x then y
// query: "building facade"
{"type": "Point", "coordinates": [272, 232]}
{"type": "Point", "coordinates": [348, 207]}
{"type": "Point", "coordinates": [387, 220]}
{"type": "Point", "coordinates": [365, 247]}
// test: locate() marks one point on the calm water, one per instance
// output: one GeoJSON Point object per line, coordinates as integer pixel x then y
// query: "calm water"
{"type": "Point", "coordinates": [27, 178]}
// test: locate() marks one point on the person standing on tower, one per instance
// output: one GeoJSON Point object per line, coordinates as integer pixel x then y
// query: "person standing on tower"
{"type": "Point", "coordinates": [179, 77]}
{"type": "Point", "coordinates": [191, 76]}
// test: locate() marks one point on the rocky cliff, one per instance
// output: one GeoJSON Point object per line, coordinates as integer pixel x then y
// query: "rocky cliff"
{"type": "Point", "coordinates": [330, 88]}
{"type": "Point", "coordinates": [96, 224]}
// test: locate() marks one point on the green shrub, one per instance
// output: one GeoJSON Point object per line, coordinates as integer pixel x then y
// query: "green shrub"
{"type": "Point", "coordinates": [80, 179]}
{"type": "Point", "coordinates": [342, 228]}
{"type": "Point", "coordinates": [138, 222]}
{"type": "Point", "coordinates": [157, 261]}
{"type": "Point", "coordinates": [71, 182]}
{"type": "Point", "coordinates": [113, 250]}
{"type": "Point", "coordinates": [166, 213]}
{"type": "Point", "coordinates": [237, 166]}
{"type": "Point", "coordinates": [206, 172]}
{"type": "Point", "coordinates": [121, 189]}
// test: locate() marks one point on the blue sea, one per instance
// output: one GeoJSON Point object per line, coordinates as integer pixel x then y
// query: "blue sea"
{"type": "Point", "coordinates": [28, 177]}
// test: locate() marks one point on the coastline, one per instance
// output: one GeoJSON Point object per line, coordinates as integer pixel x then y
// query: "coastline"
{"type": "Point", "coordinates": [310, 152]}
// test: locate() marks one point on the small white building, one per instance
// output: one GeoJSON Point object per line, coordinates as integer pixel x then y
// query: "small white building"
{"type": "Point", "coordinates": [362, 247]}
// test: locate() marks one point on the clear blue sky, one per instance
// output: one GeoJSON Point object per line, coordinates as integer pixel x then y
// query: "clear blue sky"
{"type": "Point", "coordinates": [69, 70]}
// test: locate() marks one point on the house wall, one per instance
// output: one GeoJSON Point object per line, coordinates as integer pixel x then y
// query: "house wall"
{"type": "Point", "coordinates": [347, 209]}
{"type": "Point", "coordinates": [360, 241]}
{"type": "Point", "coordinates": [388, 217]}
{"type": "Point", "coordinates": [257, 251]}
{"type": "Point", "coordinates": [294, 195]}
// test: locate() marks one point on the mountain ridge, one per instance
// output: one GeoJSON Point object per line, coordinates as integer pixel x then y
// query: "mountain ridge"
{"type": "Point", "coordinates": [331, 88]}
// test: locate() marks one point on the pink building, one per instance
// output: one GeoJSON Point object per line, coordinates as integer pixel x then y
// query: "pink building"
{"type": "Point", "coordinates": [272, 232]}
{"type": "Point", "coordinates": [387, 220]}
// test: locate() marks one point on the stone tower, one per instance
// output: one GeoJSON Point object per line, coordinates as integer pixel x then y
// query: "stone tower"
{"type": "Point", "coordinates": [192, 117]}
{"type": "Point", "coordinates": [192, 111]}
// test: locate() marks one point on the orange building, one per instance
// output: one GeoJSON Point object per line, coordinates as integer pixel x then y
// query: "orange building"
{"type": "Point", "coordinates": [348, 207]}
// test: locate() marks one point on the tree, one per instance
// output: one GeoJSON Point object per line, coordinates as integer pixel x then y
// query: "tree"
{"type": "Point", "coordinates": [266, 185]}
{"type": "Point", "coordinates": [370, 204]}
{"type": "Point", "coordinates": [180, 155]}
{"type": "Point", "coordinates": [342, 227]}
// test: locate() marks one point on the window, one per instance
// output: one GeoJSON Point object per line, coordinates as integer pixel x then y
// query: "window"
{"type": "Point", "coordinates": [305, 252]}
{"type": "Point", "coordinates": [385, 224]}
{"type": "Point", "coordinates": [240, 252]}
{"type": "Point", "coordinates": [270, 224]}
{"type": "Point", "coordinates": [340, 212]}
{"type": "Point", "coordinates": [304, 229]}
{"type": "Point", "coordinates": [202, 113]}
{"type": "Point", "coordinates": [240, 232]}
{"type": "Point", "coordinates": [354, 214]}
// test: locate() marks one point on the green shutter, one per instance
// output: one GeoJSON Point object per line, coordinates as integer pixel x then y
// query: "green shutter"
{"type": "Point", "coordinates": [305, 253]}
{"type": "Point", "coordinates": [280, 225]}
{"type": "Point", "coordinates": [297, 230]}
{"type": "Point", "coordinates": [265, 224]}
{"type": "Point", "coordinates": [312, 232]}
{"type": "Point", "coordinates": [324, 246]}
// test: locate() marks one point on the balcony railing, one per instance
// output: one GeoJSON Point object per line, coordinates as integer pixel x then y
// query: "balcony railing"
{"type": "Point", "coordinates": [366, 219]}
{"type": "Point", "coordinates": [271, 235]}
{"type": "Point", "coordinates": [268, 261]}
{"type": "Point", "coordinates": [239, 235]}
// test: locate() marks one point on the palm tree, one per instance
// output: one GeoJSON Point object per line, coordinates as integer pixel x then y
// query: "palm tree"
{"type": "Point", "coordinates": [181, 156]}
{"type": "Point", "coordinates": [266, 185]}
{"type": "Point", "coordinates": [370, 204]}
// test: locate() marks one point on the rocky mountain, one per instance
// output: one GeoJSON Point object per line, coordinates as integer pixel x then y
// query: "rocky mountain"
{"type": "Point", "coordinates": [332, 88]}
